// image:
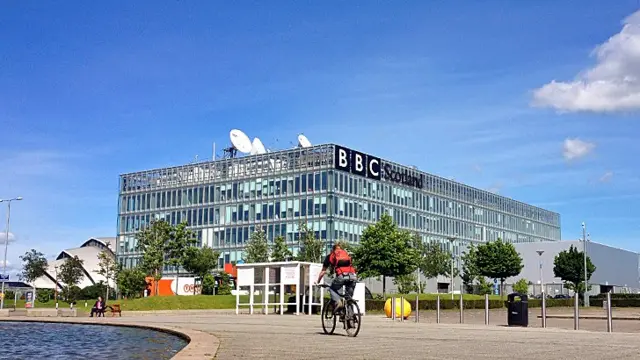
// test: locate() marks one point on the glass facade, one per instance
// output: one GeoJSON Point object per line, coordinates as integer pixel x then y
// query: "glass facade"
{"type": "Point", "coordinates": [224, 201]}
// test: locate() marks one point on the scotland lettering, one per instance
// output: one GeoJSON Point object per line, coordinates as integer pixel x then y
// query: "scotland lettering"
{"type": "Point", "coordinates": [371, 167]}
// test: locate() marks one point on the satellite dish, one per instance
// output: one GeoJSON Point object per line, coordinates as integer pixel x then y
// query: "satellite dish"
{"type": "Point", "coordinates": [240, 141]}
{"type": "Point", "coordinates": [303, 141]}
{"type": "Point", "coordinates": [257, 147]}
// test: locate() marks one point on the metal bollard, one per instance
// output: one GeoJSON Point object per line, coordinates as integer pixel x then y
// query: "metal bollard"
{"type": "Point", "coordinates": [576, 312]}
{"type": "Point", "coordinates": [544, 311]}
{"type": "Point", "coordinates": [417, 310]}
{"type": "Point", "coordinates": [393, 308]}
{"type": "Point", "coordinates": [609, 315]}
{"type": "Point", "coordinates": [486, 309]}
{"type": "Point", "coordinates": [438, 310]}
{"type": "Point", "coordinates": [461, 309]}
{"type": "Point", "coordinates": [402, 308]}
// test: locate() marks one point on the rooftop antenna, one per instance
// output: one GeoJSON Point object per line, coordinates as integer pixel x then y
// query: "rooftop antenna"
{"type": "Point", "coordinates": [240, 142]}
{"type": "Point", "coordinates": [303, 141]}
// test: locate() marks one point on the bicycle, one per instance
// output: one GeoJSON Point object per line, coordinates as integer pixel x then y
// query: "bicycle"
{"type": "Point", "coordinates": [349, 315]}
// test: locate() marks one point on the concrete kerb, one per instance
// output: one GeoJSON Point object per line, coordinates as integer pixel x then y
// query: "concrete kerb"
{"type": "Point", "coordinates": [200, 345]}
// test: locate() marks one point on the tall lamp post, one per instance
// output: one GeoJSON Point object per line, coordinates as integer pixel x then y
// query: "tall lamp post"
{"type": "Point", "coordinates": [540, 252]}
{"type": "Point", "coordinates": [453, 259]}
{"type": "Point", "coordinates": [584, 252]}
{"type": "Point", "coordinates": [6, 243]}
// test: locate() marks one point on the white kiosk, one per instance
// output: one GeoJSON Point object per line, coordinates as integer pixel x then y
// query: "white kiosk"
{"type": "Point", "coordinates": [272, 283]}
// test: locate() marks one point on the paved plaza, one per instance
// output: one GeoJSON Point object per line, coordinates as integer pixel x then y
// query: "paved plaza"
{"type": "Point", "coordinates": [300, 337]}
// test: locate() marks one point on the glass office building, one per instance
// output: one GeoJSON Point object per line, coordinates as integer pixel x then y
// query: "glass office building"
{"type": "Point", "coordinates": [335, 190]}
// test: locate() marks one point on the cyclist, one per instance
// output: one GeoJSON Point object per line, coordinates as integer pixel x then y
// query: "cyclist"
{"type": "Point", "coordinates": [340, 261]}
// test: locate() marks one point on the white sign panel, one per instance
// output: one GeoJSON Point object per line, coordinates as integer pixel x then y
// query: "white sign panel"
{"type": "Point", "coordinates": [289, 275]}
{"type": "Point", "coordinates": [358, 296]}
{"type": "Point", "coordinates": [245, 276]}
{"type": "Point", "coordinates": [314, 271]}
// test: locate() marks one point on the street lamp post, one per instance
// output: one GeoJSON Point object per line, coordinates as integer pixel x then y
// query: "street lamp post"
{"type": "Point", "coordinates": [586, 280]}
{"type": "Point", "coordinates": [6, 243]}
{"type": "Point", "coordinates": [540, 252]}
{"type": "Point", "coordinates": [453, 259]}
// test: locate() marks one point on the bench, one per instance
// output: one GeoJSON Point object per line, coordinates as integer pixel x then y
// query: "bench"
{"type": "Point", "coordinates": [115, 308]}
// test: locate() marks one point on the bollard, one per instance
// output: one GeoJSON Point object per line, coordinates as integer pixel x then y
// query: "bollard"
{"type": "Point", "coordinates": [576, 312]}
{"type": "Point", "coordinates": [544, 311]}
{"type": "Point", "coordinates": [461, 309]}
{"type": "Point", "coordinates": [402, 309]}
{"type": "Point", "coordinates": [417, 310]}
{"type": "Point", "coordinates": [393, 308]}
{"type": "Point", "coordinates": [486, 309]}
{"type": "Point", "coordinates": [438, 310]}
{"type": "Point", "coordinates": [609, 317]}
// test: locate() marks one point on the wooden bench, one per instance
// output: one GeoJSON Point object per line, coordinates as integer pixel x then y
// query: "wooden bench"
{"type": "Point", "coordinates": [115, 308]}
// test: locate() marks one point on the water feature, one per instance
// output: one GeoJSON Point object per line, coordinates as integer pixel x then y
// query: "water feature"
{"type": "Point", "coordinates": [53, 341]}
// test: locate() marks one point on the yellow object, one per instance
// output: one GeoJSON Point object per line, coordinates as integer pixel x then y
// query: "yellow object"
{"type": "Point", "coordinates": [407, 308]}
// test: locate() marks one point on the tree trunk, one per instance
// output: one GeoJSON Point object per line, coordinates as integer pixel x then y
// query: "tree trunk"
{"type": "Point", "coordinates": [501, 289]}
{"type": "Point", "coordinates": [107, 297]}
{"type": "Point", "coordinates": [384, 287]}
{"type": "Point", "coordinates": [155, 278]}
{"type": "Point", "coordinates": [177, 279]}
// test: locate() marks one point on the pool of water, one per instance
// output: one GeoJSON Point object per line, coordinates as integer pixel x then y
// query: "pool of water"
{"type": "Point", "coordinates": [32, 340]}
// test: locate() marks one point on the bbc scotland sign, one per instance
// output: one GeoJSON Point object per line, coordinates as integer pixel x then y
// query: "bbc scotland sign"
{"type": "Point", "coordinates": [374, 168]}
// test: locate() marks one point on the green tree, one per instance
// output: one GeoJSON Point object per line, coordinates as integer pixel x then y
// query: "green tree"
{"type": "Point", "coordinates": [521, 286]}
{"type": "Point", "coordinates": [34, 265]}
{"type": "Point", "coordinates": [498, 260]}
{"type": "Point", "coordinates": [224, 287]}
{"type": "Point", "coordinates": [152, 242]}
{"type": "Point", "coordinates": [406, 283]}
{"type": "Point", "coordinates": [201, 261]}
{"type": "Point", "coordinates": [469, 269]}
{"type": "Point", "coordinates": [385, 250]}
{"type": "Point", "coordinates": [280, 251]}
{"type": "Point", "coordinates": [208, 284]}
{"type": "Point", "coordinates": [131, 282]}
{"type": "Point", "coordinates": [71, 272]}
{"type": "Point", "coordinates": [257, 248]}
{"type": "Point", "coordinates": [568, 265]}
{"type": "Point", "coordinates": [107, 267]}
{"type": "Point", "coordinates": [434, 260]}
{"type": "Point", "coordinates": [311, 249]}
{"type": "Point", "coordinates": [181, 239]}
{"type": "Point", "coordinates": [484, 287]}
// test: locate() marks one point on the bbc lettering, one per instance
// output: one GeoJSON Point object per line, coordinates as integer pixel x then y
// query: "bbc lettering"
{"type": "Point", "coordinates": [357, 163]}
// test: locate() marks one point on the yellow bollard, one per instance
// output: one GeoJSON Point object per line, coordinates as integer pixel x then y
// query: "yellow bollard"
{"type": "Point", "coordinates": [407, 308]}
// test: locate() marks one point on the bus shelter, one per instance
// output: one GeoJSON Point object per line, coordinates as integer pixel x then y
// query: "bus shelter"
{"type": "Point", "coordinates": [279, 285]}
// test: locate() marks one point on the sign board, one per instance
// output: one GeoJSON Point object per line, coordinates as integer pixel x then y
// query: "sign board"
{"type": "Point", "coordinates": [4, 277]}
{"type": "Point", "coordinates": [245, 276]}
{"type": "Point", "coordinates": [359, 296]}
{"type": "Point", "coordinates": [314, 271]}
{"type": "Point", "coordinates": [289, 275]}
{"type": "Point", "coordinates": [28, 299]}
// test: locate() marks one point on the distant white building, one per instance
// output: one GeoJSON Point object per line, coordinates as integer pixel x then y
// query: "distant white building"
{"type": "Point", "coordinates": [88, 252]}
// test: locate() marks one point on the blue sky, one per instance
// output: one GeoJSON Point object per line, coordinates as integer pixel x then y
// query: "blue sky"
{"type": "Point", "coordinates": [515, 99]}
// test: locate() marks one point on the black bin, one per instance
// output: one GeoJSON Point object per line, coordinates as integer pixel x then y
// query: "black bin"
{"type": "Point", "coordinates": [517, 310]}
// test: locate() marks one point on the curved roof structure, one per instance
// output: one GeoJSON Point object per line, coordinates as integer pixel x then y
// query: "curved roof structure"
{"type": "Point", "coordinates": [87, 252]}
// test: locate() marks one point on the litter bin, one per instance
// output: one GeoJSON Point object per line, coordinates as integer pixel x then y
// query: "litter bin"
{"type": "Point", "coordinates": [517, 310]}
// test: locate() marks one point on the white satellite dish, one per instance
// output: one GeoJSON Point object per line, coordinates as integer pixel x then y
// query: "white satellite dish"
{"type": "Point", "coordinates": [303, 141]}
{"type": "Point", "coordinates": [240, 141]}
{"type": "Point", "coordinates": [257, 147]}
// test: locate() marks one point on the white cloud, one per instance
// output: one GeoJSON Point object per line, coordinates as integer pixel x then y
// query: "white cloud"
{"type": "Point", "coordinates": [576, 148]}
{"type": "Point", "coordinates": [606, 177]}
{"type": "Point", "coordinates": [612, 84]}
{"type": "Point", "coordinates": [3, 236]}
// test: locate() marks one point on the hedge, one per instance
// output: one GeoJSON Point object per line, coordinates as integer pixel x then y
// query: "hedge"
{"type": "Point", "coordinates": [378, 305]}
{"type": "Point", "coordinates": [615, 296]}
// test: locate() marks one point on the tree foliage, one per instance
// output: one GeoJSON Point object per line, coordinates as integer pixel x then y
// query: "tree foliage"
{"type": "Point", "coordinates": [521, 286]}
{"type": "Point", "coordinates": [311, 249]}
{"type": "Point", "coordinates": [385, 250]}
{"type": "Point", "coordinates": [107, 267]}
{"type": "Point", "coordinates": [568, 265]}
{"type": "Point", "coordinates": [131, 282]}
{"type": "Point", "coordinates": [71, 272]}
{"type": "Point", "coordinates": [280, 251]}
{"type": "Point", "coordinates": [434, 260]}
{"type": "Point", "coordinates": [406, 283]}
{"type": "Point", "coordinates": [257, 248]}
{"type": "Point", "coordinates": [469, 269]}
{"type": "Point", "coordinates": [181, 239]}
{"type": "Point", "coordinates": [152, 242]}
{"type": "Point", "coordinates": [224, 286]}
{"type": "Point", "coordinates": [201, 261]}
{"type": "Point", "coordinates": [484, 287]}
{"type": "Point", "coordinates": [497, 260]}
{"type": "Point", "coordinates": [34, 265]}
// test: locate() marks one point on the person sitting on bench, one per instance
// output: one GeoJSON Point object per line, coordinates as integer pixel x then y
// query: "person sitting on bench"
{"type": "Point", "coordinates": [98, 307]}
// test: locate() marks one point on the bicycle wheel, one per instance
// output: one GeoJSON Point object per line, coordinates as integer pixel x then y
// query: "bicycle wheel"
{"type": "Point", "coordinates": [328, 319]}
{"type": "Point", "coordinates": [353, 319]}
